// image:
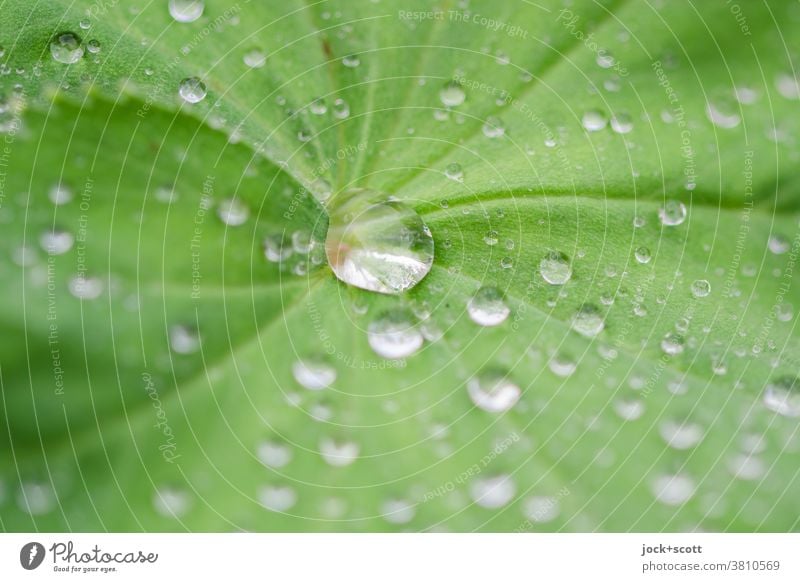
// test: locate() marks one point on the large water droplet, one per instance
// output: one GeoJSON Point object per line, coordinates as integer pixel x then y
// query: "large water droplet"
{"type": "Point", "coordinates": [594, 120]}
{"type": "Point", "coordinates": [493, 391]}
{"type": "Point", "coordinates": [701, 288]}
{"type": "Point", "coordinates": [398, 511]}
{"type": "Point", "coordinates": [782, 395]}
{"type": "Point", "coordinates": [672, 344]}
{"type": "Point", "coordinates": [673, 490]}
{"type": "Point", "coordinates": [672, 213]}
{"type": "Point", "coordinates": [277, 497]}
{"type": "Point", "coordinates": [233, 211]}
{"type": "Point", "coordinates": [487, 307]}
{"type": "Point", "coordinates": [274, 454]}
{"type": "Point", "coordinates": [393, 335]}
{"type": "Point", "coordinates": [313, 374]}
{"type": "Point", "coordinates": [452, 94]}
{"type": "Point", "coordinates": [186, 10]}
{"type": "Point", "coordinates": [493, 492]}
{"type": "Point", "coordinates": [338, 453]}
{"type": "Point", "coordinates": [66, 48]}
{"type": "Point", "coordinates": [588, 321]}
{"type": "Point", "coordinates": [680, 435]}
{"type": "Point", "coordinates": [255, 59]}
{"type": "Point", "coordinates": [555, 268]}
{"type": "Point", "coordinates": [192, 90]}
{"type": "Point", "coordinates": [377, 244]}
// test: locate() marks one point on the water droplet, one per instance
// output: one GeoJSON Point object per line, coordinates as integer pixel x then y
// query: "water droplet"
{"type": "Point", "coordinates": [782, 395]}
{"type": "Point", "coordinates": [778, 245]}
{"type": "Point", "coordinates": [454, 172]}
{"type": "Point", "coordinates": [642, 255]}
{"type": "Point", "coordinates": [277, 497]}
{"type": "Point", "coordinates": [82, 287]}
{"type": "Point", "coordinates": [318, 106]}
{"type": "Point", "coordinates": [313, 374]}
{"type": "Point", "coordinates": [183, 339]}
{"type": "Point", "coordinates": [93, 46]}
{"type": "Point", "coordinates": [541, 509]}
{"type": "Point", "coordinates": [36, 497]}
{"type": "Point", "coordinates": [233, 211]}
{"type": "Point", "coordinates": [452, 94]}
{"type": "Point", "coordinates": [66, 48]}
{"type": "Point", "coordinates": [673, 490]}
{"type": "Point", "coordinates": [192, 90]}
{"type": "Point", "coordinates": [393, 335]}
{"type": "Point", "coordinates": [255, 59]}
{"type": "Point", "coordinates": [494, 127]}
{"type": "Point", "coordinates": [681, 435]}
{"type": "Point", "coordinates": [605, 59]}
{"type": "Point", "coordinates": [492, 391]}
{"type": "Point", "coordinates": [701, 288]}
{"type": "Point", "coordinates": [555, 268]}
{"type": "Point", "coordinates": [723, 115]}
{"type": "Point", "coordinates": [629, 408]}
{"type": "Point", "coordinates": [171, 502]}
{"type": "Point", "coordinates": [562, 366]}
{"type": "Point", "coordinates": [165, 194]}
{"type": "Point", "coordinates": [338, 453]}
{"type": "Point", "coordinates": [487, 307]}
{"type": "Point", "coordinates": [746, 467]}
{"type": "Point", "coordinates": [588, 321]}
{"type": "Point", "coordinates": [381, 246]}
{"type": "Point", "coordinates": [788, 86]}
{"type": "Point", "coordinates": [594, 120]}
{"type": "Point", "coordinates": [491, 238]}
{"type": "Point", "coordinates": [186, 10]}
{"type": "Point", "coordinates": [351, 61]}
{"type": "Point", "coordinates": [340, 110]}
{"type": "Point", "coordinates": [274, 454]}
{"type": "Point", "coordinates": [59, 194]}
{"type": "Point", "coordinates": [398, 511]}
{"type": "Point", "coordinates": [672, 213]}
{"type": "Point", "coordinates": [493, 492]}
{"type": "Point", "coordinates": [622, 123]}
{"type": "Point", "coordinates": [56, 242]}
{"type": "Point", "coordinates": [672, 344]}
{"type": "Point", "coordinates": [276, 248]}
{"type": "Point", "coordinates": [745, 95]}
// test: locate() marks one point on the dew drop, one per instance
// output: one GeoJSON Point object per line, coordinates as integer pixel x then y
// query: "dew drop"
{"type": "Point", "coordinates": [183, 339]}
{"type": "Point", "coordinates": [722, 115]}
{"type": "Point", "coordinates": [274, 454]}
{"type": "Point", "coordinates": [171, 502]}
{"type": "Point", "coordinates": [746, 467]}
{"type": "Point", "coordinates": [673, 490]}
{"type": "Point", "coordinates": [594, 120]}
{"type": "Point", "coordinates": [452, 94]}
{"type": "Point", "coordinates": [398, 511]}
{"type": "Point", "coordinates": [93, 46]}
{"type": "Point", "coordinates": [66, 48]}
{"type": "Point", "coordinates": [788, 86]}
{"type": "Point", "coordinates": [680, 435]}
{"type": "Point", "coordinates": [491, 238]}
{"type": "Point", "coordinates": [672, 213]}
{"type": "Point", "coordinates": [82, 287]}
{"type": "Point", "coordinates": [340, 109]}
{"type": "Point", "coordinates": [642, 255]}
{"type": "Point", "coordinates": [56, 242]}
{"type": "Point", "coordinates": [381, 246]}
{"type": "Point", "coordinates": [492, 391]}
{"type": "Point", "coordinates": [351, 61]}
{"type": "Point", "coordinates": [192, 90]}
{"type": "Point", "coordinates": [701, 288]}
{"type": "Point", "coordinates": [555, 268]}
{"type": "Point", "coordinates": [277, 497]}
{"type": "Point", "coordinates": [672, 344]}
{"type": "Point", "coordinates": [233, 211]}
{"type": "Point", "coordinates": [782, 396]}
{"type": "Point", "coordinates": [186, 10]}
{"type": "Point", "coordinates": [494, 127]}
{"type": "Point", "coordinates": [622, 123]}
{"type": "Point", "coordinates": [255, 59]}
{"type": "Point", "coordinates": [493, 492]}
{"type": "Point", "coordinates": [487, 307]}
{"type": "Point", "coordinates": [338, 453]}
{"type": "Point", "coordinates": [393, 335]}
{"type": "Point", "coordinates": [276, 248]}
{"type": "Point", "coordinates": [541, 509]}
{"type": "Point", "coordinates": [36, 497]}
{"type": "Point", "coordinates": [313, 374]}
{"type": "Point", "coordinates": [318, 106]}
{"type": "Point", "coordinates": [588, 321]}
{"type": "Point", "coordinates": [562, 366]}
{"type": "Point", "coordinates": [629, 408]}
{"type": "Point", "coordinates": [454, 172]}
{"type": "Point", "coordinates": [59, 194]}
{"type": "Point", "coordinates": [778, 245]}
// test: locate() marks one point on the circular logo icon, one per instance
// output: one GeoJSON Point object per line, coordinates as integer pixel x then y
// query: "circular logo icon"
{"type": "Point", "coordinates": [31, 555]}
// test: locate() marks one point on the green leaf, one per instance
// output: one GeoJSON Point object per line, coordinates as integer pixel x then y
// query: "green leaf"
{"type": "Point", "coordinates": [166, 398]}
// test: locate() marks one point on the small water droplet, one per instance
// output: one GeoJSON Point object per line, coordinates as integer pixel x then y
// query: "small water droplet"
{"type": "Point", "coordinates": [672, 213]}
{"type": "Point", "coordinates": [313, 374]}
{"type": "Point", "coordinates": [723, 115]}
{"type": "Point", "coordinates": [622, 123]}
{"type": "Point", "coordinates": [454, 172]}
{"type": "Point", "coordinates": [492, 391]}
{"type": "Point", "coordinates": [541, 509]}
{"type": "Point", "coordinates": [494, 127]}
{"type": "Point", "coordinates": [192, 90]}
{"type": "Point", "coordinates": [56, 242]}
{"type": "Point", "coordinates": [274, 454]}
{"type": "Point", "coordinates": [393, 335]}
{"type": "Point", "coordinates": [59, 194]}
{"type": "Point", "coordinates": [186, 10]}
{"type": "Point", "coordinates": [701, 288]}
{"type": "Point", "coordinates": [277, 497]}
{"type": "Point", "coordinates": [493, 492]}
{"type": "Point", "coordinates": [171, 502]}
{"type": "Point", "coordinates": [642, 255]}
{"type": "Point", "coordinates": [629, 408]}
{"type": "Point", "coordinates": [233, 211]}
{"type": "Point", "coordinates": [605, 59]}
{"type": "Point", "coordinates": [487, 307]}
{"type": "Point", "coordinates": [255, 59]}
{"type": "Point", "coordinates": [788, 86]}
{"type": "Point", "coordinates": [594, 120]}
{"type": "Point", "coordinates": [351, 61]}
{"type": "Point", "coordinates": [672, 344]}
{"type": "Point", "coordinates": [93, 46]}
{"type": "Point", "coordinates": [681, 435]}
{"type": "Point", "coordinates": [318, 106]}
{"type": "Point", "coordinates": [82, 287]}
{"type": "Point", "coordinates": [452, 94]}
{"type": "Point", "coordinates": [340, 110]}
{"type": "Point", "coordinates": [562, 366]}
{"type": "Point", "coordinates": [588, 321]}
{"type": "Point", "coordinates": [183, 339]}
{"type": "Point", "coordinates": [491, 238]}
{"type": "Point", "coordinates": [376, 243]}
{"type": "Point", "coordinates": [782, 395]}
{"type": "Point", "coordinates": [778, 245]}
{"type": "Point", "coordinates": [673, 490]}
{"type": "Point", "coordinates": [338, 453]}
{"type": "Point", "coordinates": [36, 497]}
{"type": "Point", "coordinates": [66, 48]}
{"type": "Point", "coordinates": [746, 467]}
{"type": "Point", "coordinates": [555, 268]}
{"type": "Point", "coordinates": [398, 511]}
